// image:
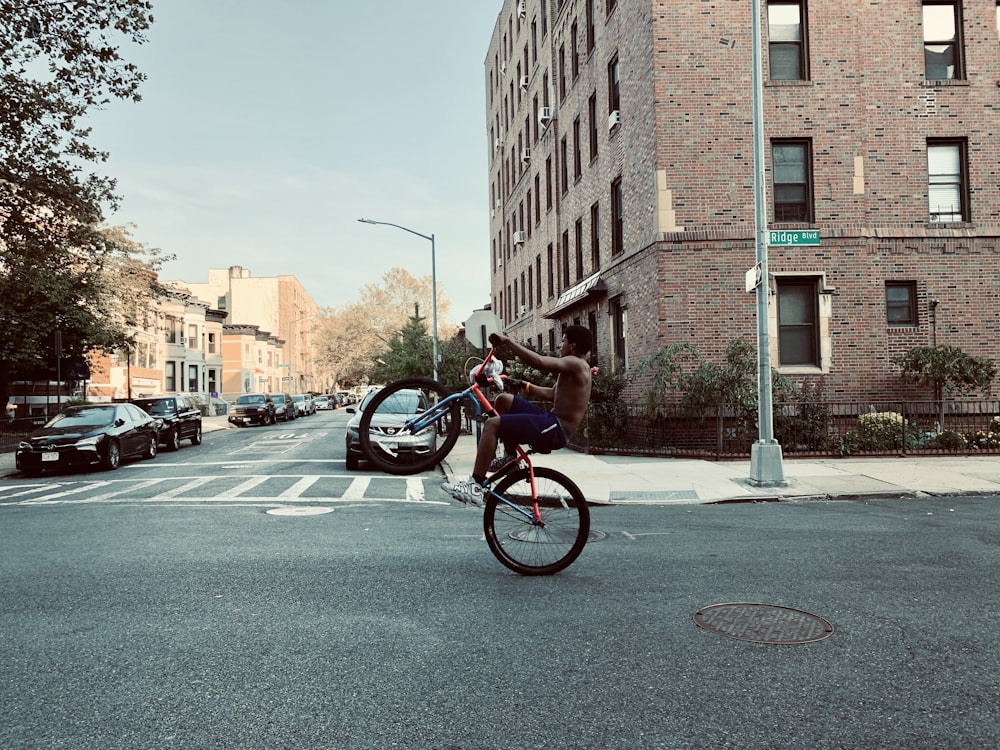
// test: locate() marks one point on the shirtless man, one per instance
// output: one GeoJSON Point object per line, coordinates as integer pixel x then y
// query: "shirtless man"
{"type": "Point", "coordinates": [521, 421]}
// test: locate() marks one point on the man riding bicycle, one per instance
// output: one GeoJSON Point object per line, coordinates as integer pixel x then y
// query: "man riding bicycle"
{"type": "Point", "coordinates": [522, 422]}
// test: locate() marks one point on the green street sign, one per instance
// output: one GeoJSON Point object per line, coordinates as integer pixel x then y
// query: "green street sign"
{"type": "Point", "coordinates": [794, 237]}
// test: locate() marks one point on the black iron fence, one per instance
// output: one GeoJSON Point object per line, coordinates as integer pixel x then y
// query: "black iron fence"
{"type": "Point", "coordinates": [845, 428]}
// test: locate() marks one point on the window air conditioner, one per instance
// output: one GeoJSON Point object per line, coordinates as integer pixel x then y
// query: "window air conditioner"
{"type": "Point", "coordinates": [182, 341]}
{"type": "Point", "coordinates": [524, 83]}
{"type": "Point", "coordinates": [520, 237]}
{"type": "Point", "coordinates": [524, 309]}
{"type": "Point", "coordinates": [545, 115]}
{"type": "Point", "coordinates": [614, 120]}
{"type": "Point", "coordinates": [525, 155]}
{"type": "Point", "coordinates": [503, 67]}
{"type": "Point", "coordinates": [522, 10]}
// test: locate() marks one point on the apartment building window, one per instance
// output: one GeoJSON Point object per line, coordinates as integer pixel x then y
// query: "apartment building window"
{"type": "Point", "coordinates": [942, 41]}
{"type": "Point", "coordinates": [545, 19]}
{"type": "Point", "coordinates": [213, 382]}
{"type": "Point", "coordinates": [577, 156]}
{"type": "Point", "coordinates": [947, 180]}
{"type": "Point", "coordinates": [592, 117]}
{"type": "Point", "coordinates": [552, 272]}
{"type": "Point", "coordinates": [901, 303]}
{"type": "Point", "coordinates": [617, 313]}
{"type": "Point", "coordinates": [574, 51]}
{"type": "Point", "coordinates": [211, 343]}
{"type": "Point", "coordinates": [614, 86]}
{"type": "Point", "coordinates": [170, 377]}
{"type": "Point", "coordinates": [534, 41]}
{"type": "Point", "coordinates": [192, 378]}
{"type": "Point", "coordinates": [786, 41]}
{"type": "Point", "coordinates": [792, 181]}
{"type": "Point", "coordinates": [617, 218]}
{"type": "Point", "coordinates": [591, 38]}
{"type": "Point", "coordinates": [610, 5]}
{"type": "Point", "coordinates": [595, 236]}
{"type": "Point", "coordinates": [562, 72]}
{"type": "Point", "coordinates": [563, 166]}
{"type": "Point", "coordinates": [538, 198]}
{"type": "Point", "coordinates": [578, 230]}
{"type": "Point", "coordinates": [798, 321]}
{"type": "Point", "coordinates": [538, 276]}
{"type": "Point", "coordinates": [548, 183]}
{"type": "Point", "coordinates": [564, 259]}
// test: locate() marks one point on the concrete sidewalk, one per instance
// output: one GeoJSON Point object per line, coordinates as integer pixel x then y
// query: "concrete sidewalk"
{"type": "Point", "coordinates": [617, 479]}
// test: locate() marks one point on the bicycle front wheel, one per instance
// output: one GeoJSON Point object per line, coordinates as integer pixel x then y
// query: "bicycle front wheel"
{"type": "Point", "coordinates": [536, 547]}
{"type": "Point", "coordinates": [391, 440]}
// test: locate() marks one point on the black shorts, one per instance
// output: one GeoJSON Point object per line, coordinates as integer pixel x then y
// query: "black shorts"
{"type": "Point", "coordinates": [527, 423]}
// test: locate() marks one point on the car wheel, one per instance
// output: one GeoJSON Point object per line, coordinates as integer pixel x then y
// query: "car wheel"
{"type": "Point", "coordinates": [150, 451]}
{"type": "Point", "coordinates": [174, 440]}
{"type": "Point", "coordinates": [112, 457]}
{"type": "Point", "coordinates": [196, 438]}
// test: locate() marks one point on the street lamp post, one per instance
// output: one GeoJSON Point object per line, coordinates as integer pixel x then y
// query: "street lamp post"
{"type": "Point", "coordinates": [765, 455]}
{"type": "Point", "coordinates": [434, 305]}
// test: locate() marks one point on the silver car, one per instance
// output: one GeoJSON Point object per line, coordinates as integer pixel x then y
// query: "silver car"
{"type": "Point", "coordinates": [404, 402]}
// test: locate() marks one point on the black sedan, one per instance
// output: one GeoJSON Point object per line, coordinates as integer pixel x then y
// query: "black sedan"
{"type": "Point", "coordinates": [94, 434]}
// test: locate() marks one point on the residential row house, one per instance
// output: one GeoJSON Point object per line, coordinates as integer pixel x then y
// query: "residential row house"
{"type": "Point", "coordinates": [621, 179]}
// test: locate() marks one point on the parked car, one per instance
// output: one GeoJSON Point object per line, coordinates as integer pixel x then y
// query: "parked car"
{"type": "Point", "coordinates": [404, 402]}
{"type": "Point", "coordinates": [284, 407]}
{"type": "Point", "coordinates": [253, 408]}
{"type": "Point", "coordinates": [180, 416]}
{"type": "Point", "coordinates": [102, 434]}
{"type": "Point", "coordinates": [305, 404]}
{"type": "Point", "coordinates": [323, 403]}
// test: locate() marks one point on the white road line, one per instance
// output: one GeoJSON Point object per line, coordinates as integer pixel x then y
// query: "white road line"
{"type": "Point", "coordinates": [242, 487]}
{"type": "Point", "coordinates": [414, 489]}
{"type": "Point", "coordinates": [177, 491]}
{"type": "Point", "coordinates": [299, 487]}
{"type": "Point", "coordinates": [358, 488]}
{"type": "Point", "coordinates": [130, 486]}
{"type": "Point", "coordinates": [56, 496]}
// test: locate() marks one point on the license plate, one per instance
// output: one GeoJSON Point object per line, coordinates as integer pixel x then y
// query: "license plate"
{"type": "Point", "coordinates": [50, 457]}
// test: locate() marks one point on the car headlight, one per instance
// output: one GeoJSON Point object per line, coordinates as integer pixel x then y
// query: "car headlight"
{"type": "Point", "coordinates": [90, 442]}
{"type": "Point", "coordinates": [24, 446]}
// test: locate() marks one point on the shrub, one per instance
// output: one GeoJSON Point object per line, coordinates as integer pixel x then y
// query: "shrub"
{"type": "Point", "coordinates": [877, 432]}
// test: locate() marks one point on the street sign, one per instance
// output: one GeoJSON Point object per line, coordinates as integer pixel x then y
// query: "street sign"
{"type": "Point", "coordinates": [285, 365]}
{"type": "Point", "coordinates": [288, 377]}
{"type": "Point", "coordinates": [794, 237]}
{"type": "Point", "coordinates": [753, 277]}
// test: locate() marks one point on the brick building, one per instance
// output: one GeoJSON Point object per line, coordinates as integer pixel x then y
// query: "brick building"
{"type": "Point", "coordinates": [621, 178]}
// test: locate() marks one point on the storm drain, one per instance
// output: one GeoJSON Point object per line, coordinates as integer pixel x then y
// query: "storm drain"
{"type": "Point", "coordinates": [763, 623]}
{"type": "Point", "coordinates": [299, 511]}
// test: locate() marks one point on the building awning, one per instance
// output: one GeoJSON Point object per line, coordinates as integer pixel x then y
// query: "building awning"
{"type": "Point", "coordinates": [592, 286]}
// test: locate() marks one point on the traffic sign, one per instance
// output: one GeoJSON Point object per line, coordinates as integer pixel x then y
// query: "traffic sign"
{"type": "Point", "coordinates": [794, 237]}
{"type": "Point", "coordinates": [752, 278]}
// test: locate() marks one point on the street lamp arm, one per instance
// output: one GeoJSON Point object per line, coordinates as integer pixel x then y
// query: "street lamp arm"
{"type": "Point", "coordinates": [398, 226]}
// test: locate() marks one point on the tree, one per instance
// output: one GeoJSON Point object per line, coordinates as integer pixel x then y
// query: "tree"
{"type": "Point", "coordinates": [353, 337]}
{"type": "Point", "coordinates": [947, 369]}
{"type": "Point", "coordinates": [409, 354]}
{"type": "Point", "coordinates": [58, 61]}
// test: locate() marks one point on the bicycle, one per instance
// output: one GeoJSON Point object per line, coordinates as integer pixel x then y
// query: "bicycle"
{"type": "Point", "coordinates": [536, 519]}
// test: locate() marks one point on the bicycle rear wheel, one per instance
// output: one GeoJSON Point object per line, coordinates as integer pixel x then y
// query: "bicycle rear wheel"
{"type": "Point", "coordinates": [536, 548]}
{"type": "Point", "coordinates": [394, 447]}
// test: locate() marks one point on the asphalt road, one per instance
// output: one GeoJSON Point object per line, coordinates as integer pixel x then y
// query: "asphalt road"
{"type": "Point", "coordinates": [133, 619]}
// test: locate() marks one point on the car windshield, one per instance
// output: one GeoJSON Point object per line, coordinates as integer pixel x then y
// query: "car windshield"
{"type": "Point", "coordinates": [245, 400]}
{"type": "Point", "coordinates": [89, 416]}
{"type": "Point", "coordinates": [401, 402]}
{"type": "Point", "coordinates": [299, 399]}
{"type": "Point", "coordinates": [157, 407]}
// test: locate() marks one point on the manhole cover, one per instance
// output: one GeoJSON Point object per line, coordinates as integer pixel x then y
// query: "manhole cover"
{"type": "Point", "coordinates": [299, 511]}
{"type": "Point", "coordinates": [763, 623]}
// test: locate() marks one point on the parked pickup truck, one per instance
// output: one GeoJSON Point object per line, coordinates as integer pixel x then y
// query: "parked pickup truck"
{"type": "Point", "coordinates": [181, 417]}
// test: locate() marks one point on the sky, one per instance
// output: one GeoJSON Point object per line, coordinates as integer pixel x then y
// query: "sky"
{"type": "Point", "coordinates": [266, 130]}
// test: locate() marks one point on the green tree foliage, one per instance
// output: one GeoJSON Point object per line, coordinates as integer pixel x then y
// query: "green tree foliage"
{"type": "Point", "coordinates": [947, 370]}
{"type": "Point", "coordinates": [410, 353]}
{"type": "Point", "coordinates": [58, 61]}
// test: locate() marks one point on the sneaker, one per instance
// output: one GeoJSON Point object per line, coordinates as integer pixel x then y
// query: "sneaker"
{"type": "Point", "coordinates": [498, 463]}
{"type": "Point", "coordinates": [467, 491]}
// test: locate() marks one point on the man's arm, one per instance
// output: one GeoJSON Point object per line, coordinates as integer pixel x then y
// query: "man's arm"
{"type": "Point", "coordinates": [553, 365]}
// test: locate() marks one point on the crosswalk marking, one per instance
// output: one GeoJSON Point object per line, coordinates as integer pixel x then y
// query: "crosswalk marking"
{"type": "Point", "coordinates": [232, 490]}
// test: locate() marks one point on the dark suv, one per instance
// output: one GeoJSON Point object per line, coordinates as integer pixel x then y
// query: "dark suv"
{"type": "Point", "coordinates": [252, 408]}
{"type": "Point", "coordinates": [181, 417]}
